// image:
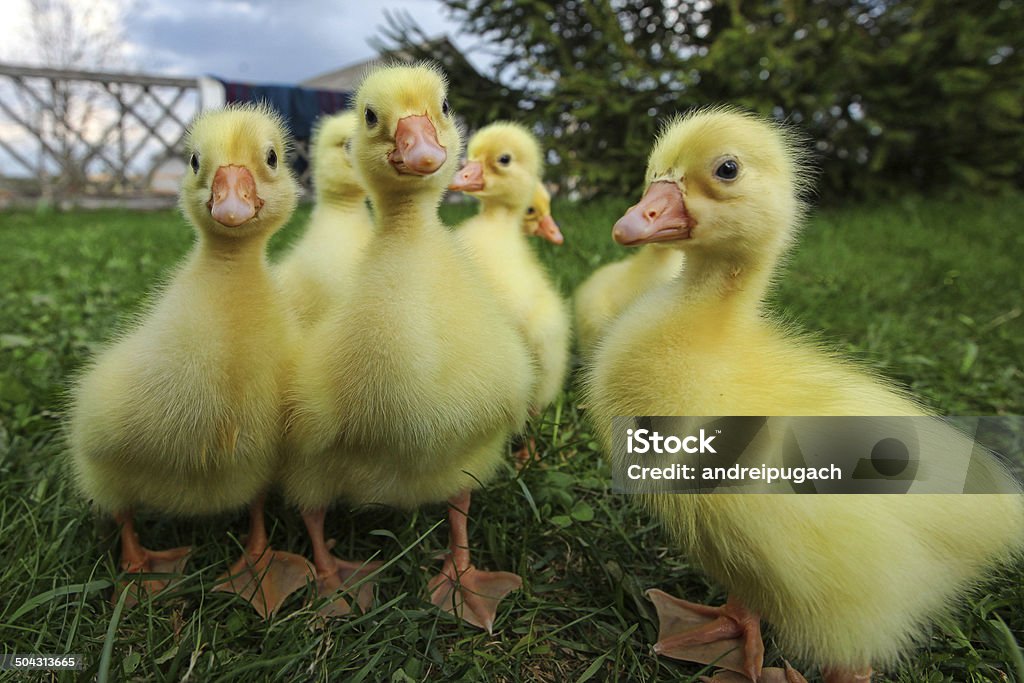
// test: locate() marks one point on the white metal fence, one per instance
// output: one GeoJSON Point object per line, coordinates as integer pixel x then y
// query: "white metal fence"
{"type": "Point", "coordinates": [87, 137]}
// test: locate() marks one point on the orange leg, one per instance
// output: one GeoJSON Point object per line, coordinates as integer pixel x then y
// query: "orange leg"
{"type": "Point", "coordinates": [334, 574]}
{"type": "Point", "coordinates": [137, 559]}
{"type": "Point", "coordinates": [262, 576]}
{"type": "Point", "coordinates": [528, 450]}
{"type": "Point", "coordinates": [462, 589]}
{"type": "Point", "coordinates": [526, 453]}
{"type": "Point", "coordinates": [728, 636]}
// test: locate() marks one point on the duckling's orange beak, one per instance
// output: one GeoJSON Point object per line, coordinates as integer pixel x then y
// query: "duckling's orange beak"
{"type": "Point", "coordinates": [417, 150]}
{"type": "Point", "coordinates": [660, 216]}
{"type": "Point", "coordinates": [233, 198]}
{"type": "Point", "coordinates": [469, 179]}
{"type": "Point", "coordinates": [548, 229]}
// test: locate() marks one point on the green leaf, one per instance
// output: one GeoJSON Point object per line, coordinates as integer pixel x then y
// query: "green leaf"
{"type": "Point", "coordinates": [970, 355]}
{"type": "Point", "coordinates": [167, 656]}
{"type": "Point", "coordinates": [131, 662]}
{"type": "Point", "coordinates": [582, 512]}
{"type": "Point", "coordinates": [561, 521]}
{"type": "Point", "coordinates": [561, 480]}
{"type": "Point", "coordinates": [235, 624]}
{"type": "Point", "coordinates": [592, 669]}
{"type": "Point", "coordinates": [400, 676]}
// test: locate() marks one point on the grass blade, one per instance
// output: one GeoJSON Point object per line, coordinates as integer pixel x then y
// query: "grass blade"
{"type": "Point", "coordinates": [1012, 648]}
{"type": "Point", "coordinates": [71, 589]}
{"type": "Point", "coordinates": [108, 642]}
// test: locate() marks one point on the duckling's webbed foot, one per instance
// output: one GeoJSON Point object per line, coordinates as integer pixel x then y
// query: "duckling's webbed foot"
{"type": "Point", "coordinates": [337, 578]}
{"type": "Point", "coordinates": [470, 594]}
{"type": "Point", "coordinates": [262, 576]}
{"type": "Point", "coordinates": [266, 579]}
{"type": "Point", "coordinates": [769, 674]}
{"type": "Point", "coordinates": [137, 559]}
{"type": "Point", "coordinates": [728, 636]}
{"type": "Point", "coordinates": [349, 578]}
{"type": "Point", "coordinates": [460, 588]}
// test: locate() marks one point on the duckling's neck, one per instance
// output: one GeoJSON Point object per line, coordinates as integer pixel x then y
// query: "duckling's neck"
{"type": "Point", "coordinates": [504, 214]}
{"type": "Point", "coordinates": [405, 212]}
{"type": "Point", "coordinates": [658, 254]}
{"type": "Point", "coordinates": [232, 256]}
{"type": "Point", "coordinates": [342, 201]}
{"type": "Point", "coordinates": [338, 213]}
{"type": "Point", "coordinates": [731, 282]}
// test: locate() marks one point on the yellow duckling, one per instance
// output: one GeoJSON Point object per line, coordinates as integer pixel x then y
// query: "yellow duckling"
{"type": "Point", "coordinates": [539, 221]}
{"type": "Point", "coordinates": [318, 268]}
{"type": "Point", "coordinates": [848, 582]}
{"type": "Point", "coordinates": [502, 170]}
{"type": "Point", "coordinates": [610, 289]}
{"type": "Point", "coordinates": [408, 389]}
{"type": "Point", "coordinates": [182, 414]}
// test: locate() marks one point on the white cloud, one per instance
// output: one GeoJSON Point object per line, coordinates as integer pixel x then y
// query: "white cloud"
{"type": "Point", "coordinates": [261, 41]}
{"type": "Point", "coordinates": [243, 40]}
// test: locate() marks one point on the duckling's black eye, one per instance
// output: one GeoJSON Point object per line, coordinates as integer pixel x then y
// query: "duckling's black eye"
{"type": "Point", "coordinates": [371, 117]}
{"type": "Point", "coordinates": [505, 159]}
{"type": "Point", "coordinates": [727, 170]}
{"type": "Point", "coordinates": [531, 211]}
{"type": "Point", "coordinates": [272, 158]}
{"type": "Point", "coordinates": [194, 163]}
{"type": "Point", "coordinates": [445, 109]}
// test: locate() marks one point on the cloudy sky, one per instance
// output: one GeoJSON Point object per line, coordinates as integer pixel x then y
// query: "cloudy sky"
{"type": "Point", "coordinates": [262, 41]}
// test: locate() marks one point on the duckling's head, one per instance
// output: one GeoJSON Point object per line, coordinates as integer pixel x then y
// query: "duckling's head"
{"type": "Point", "coordinates": [503, 163]}
{"type": "Point", "coordinates": [238, 183]}
{"type": "Point", "coordinates": [333, 174]}
{"type": "Point", "coordinates": [719, 181]}
{"type": "Point", "coordinates": [406, 140]}
{"type": "Point", "coordinates": [538, 220]}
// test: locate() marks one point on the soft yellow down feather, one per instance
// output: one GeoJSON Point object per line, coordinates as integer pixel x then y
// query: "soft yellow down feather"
{"type": "Point", "coordinates": [846, 581]}
{"type": "Point", "coordinates": [408, 389]}
{"type": "Point", "coordinates": [610, 289]}
{"type": "Point", "coordinates": [318, 268]}
{"type": "Point", "coordinates": [182, 413]}
{"type": "Point", "coordinates": [495, 237]}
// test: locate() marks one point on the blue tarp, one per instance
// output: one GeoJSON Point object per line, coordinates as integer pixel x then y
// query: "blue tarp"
{"type": "Point", "coordinates": [300, 107]}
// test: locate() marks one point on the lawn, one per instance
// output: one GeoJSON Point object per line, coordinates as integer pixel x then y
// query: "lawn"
{"type": "Point", "coordinates": [926, 291]}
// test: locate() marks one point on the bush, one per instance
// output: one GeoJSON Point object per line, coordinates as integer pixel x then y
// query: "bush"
{"type": "Point", "coordinates": [897, 94]}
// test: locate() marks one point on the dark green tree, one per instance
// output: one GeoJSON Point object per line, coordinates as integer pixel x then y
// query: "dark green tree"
{"type": "Point", "coordinates": [896, 95]}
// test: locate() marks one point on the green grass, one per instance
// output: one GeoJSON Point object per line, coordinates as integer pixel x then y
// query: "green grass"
{"type": "Point", "coordinates": [927, 291]}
